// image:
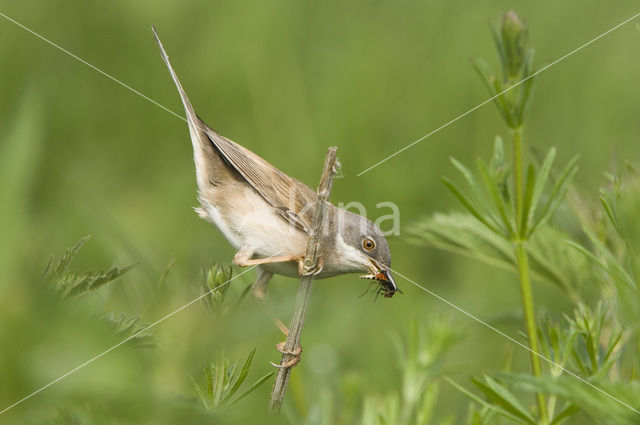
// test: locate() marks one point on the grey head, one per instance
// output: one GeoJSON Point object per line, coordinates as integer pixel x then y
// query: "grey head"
{"type": "Point", "coordinates": [360, 246]}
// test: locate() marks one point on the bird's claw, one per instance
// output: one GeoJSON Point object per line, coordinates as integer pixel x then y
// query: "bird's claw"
{"type": "Point", "coordinates": [281, 347]}
{"type": "Point", "coordinates": [312, 271]}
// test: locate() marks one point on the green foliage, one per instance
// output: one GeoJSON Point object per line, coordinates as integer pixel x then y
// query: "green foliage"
{"type": "Point", "coordinates": [507, 224]}
{"type": "Point", "coordinates": [215, 285]}
{"type": "Point", "coordinates": [128, 327]}
{"type": "Point", "coordinates": [499, 399]}
{"type": "Point", "coordinates": [71, 285]}
{"type": "Point", "coordinates": [611, 404]}
{"type": "Point", "coordinates": [80, 154]}
{"type": "Point", "coordinates": [614, 253]}
{"type": "Point", "coordinates": [420, 354]}
{"type": "Point", "coordinates": [598, 343]}
{"type": "Point", "coordinates": [551, 259]}
{"type": "Point", "coordinates": [587, 345]}
{"type": "Point", "coordinates": [223, 379]}
{"type": "Point", "coordinates": [516, 56]}
{"type": "Point", "coordinates": [498, 214]}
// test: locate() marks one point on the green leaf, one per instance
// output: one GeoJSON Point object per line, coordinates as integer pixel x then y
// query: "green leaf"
{"type": "Point", "coordinates": [504, 398]}
{"type": "Point", "coordinates": [615, 339]}
{"type": "Point", "coordinates": [528, 194]}
{"type": "Point", "coordinates": [526, 88]}
{"type": "Point", "coordinates": [486, 74]}
{"type": "Point", "coordinates": [127, 327]}
{"type": "Point", "coordinates": [208, 378]}
{"type": "Point", "coordinates": [497, 157]}
{"type": "Point", "coordinates": [541, 181]}
{"type": "Point", "coordinates": [254, 387]}
{"type": "Point", "coordinates": [62, 265]}
{"type": "Point", "coordinates": [242, 296]}
{"type": "Point", "coordinates": [557, 195]}
{"type": "Point", "coordinates": [551, 260]}
{"type": "Point", "coordinates": [503, 105]}
{"type": "Point", "coordinates": [482, 402]}
{"type": "Point", "coordinates": [611, 400]}
{"type": "Point", "coordinates": [76, 284]}
{"type": "Point", "coordinates": [468, 175]}
{"type": "Point", "coordinates": [497, 199]}
{"type": "Point", "coordinates": [610, 265]}
{"type": "Point", "coordinates": [570, 410]}
{"type": "Point", "coordinates": [466, 202]}
{"type": "Point", "coordinates": [218, 378]}
{"type": "Point", "coordinates": [198, 391]}
{"type": "Point", "coordinates": [244, 372]}
{"type": "Point", "coordinates": [497, 39]}
{"type": "Point", "coordinates": [427, 408]}
{"type": "Point", "coordinates": [609, 208]}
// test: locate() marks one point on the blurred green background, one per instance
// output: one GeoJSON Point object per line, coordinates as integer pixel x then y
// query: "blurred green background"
{"type": "Point", "coordinates": [80, 154]}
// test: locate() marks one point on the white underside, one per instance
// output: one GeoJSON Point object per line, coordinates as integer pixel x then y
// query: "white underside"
{"type": "Point", "coordinates": [251, 225]}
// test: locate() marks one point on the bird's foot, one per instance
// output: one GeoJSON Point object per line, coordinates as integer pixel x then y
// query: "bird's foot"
{"type": "Point", "coordinates": [281, 347]}
{"type": "Point", "coordinates": [313, 271]}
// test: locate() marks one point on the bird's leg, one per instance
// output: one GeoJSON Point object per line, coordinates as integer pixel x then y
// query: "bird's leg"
{"type": "Point", "coordinates": [259, 290]}
{"type": "Point", "coordinates": [243, 259]}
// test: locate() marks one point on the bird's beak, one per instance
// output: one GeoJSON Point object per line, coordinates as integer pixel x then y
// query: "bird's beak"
{"type": "Point", "coordinates": [384, 277]}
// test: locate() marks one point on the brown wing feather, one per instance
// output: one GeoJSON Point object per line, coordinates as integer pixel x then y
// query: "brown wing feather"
{"type": "Point", "coordinates": [292, 199]}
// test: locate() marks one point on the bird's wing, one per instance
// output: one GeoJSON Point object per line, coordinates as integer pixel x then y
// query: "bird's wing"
{"type": "Point", "coordinates": [292, 199]}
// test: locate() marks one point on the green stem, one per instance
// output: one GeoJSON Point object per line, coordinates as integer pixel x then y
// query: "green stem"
{"type": "Point", "coordinates": [530, 321]}
{"type": "Point", "coordinates": [523, 269]}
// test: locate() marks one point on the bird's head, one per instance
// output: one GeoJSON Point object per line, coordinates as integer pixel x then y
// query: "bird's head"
{"type": "Point", "coordinates": [361, 247]}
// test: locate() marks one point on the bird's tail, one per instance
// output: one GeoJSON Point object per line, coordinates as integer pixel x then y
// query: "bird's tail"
{"type": "Point", "coordinates": [209, 166]}
{"type": "Point", "coordinates": [191, 114]}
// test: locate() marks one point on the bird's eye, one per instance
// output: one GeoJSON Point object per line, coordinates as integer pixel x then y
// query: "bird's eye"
{"type": "Point", "coordinates": [368, 244]}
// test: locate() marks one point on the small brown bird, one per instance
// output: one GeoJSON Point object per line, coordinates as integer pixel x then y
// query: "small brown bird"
{"type": "Point", "coordinates": [266, 215]}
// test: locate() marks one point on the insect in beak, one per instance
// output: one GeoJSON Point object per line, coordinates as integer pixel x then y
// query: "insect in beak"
{"type": "Point", "coordinates": [384, 278]}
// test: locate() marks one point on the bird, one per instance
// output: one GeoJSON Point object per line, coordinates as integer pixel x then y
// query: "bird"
{"type": "Point", "coordinates": [266, 215]}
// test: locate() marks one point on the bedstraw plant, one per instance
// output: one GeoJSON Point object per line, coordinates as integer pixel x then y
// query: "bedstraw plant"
{"type": "Point", "coordinates": [510, 205]}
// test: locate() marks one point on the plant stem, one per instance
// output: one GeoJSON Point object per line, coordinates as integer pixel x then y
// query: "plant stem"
{"type": "Point", "coordinates": [304, 291]}
{"type": "Point", "coordinates": [523, 268]}
{"type": "Point", "coordinates": [530, 321]}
